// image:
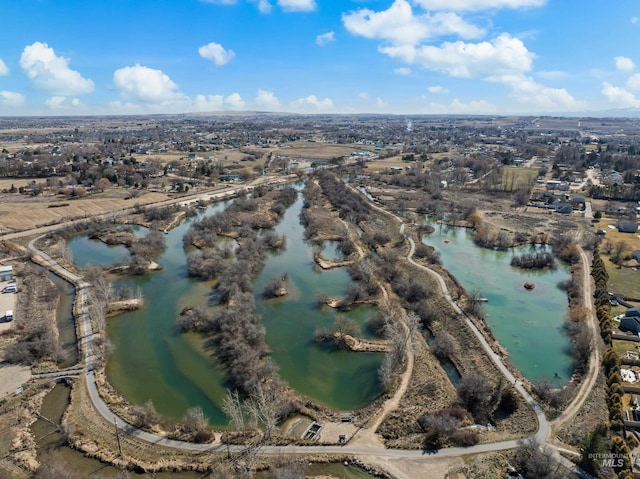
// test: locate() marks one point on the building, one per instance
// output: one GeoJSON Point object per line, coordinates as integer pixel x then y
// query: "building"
{"type": "Point", "coordinates": [631, 320]}
{"type": "Point", "coordinates": [627, 226]}
{"type": "Point", "coordinates": [6, 273]}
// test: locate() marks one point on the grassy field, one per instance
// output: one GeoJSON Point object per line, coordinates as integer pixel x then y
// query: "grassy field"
{"type": "Point", "coordinates": [317, 150]}
{"type": "Point", "coordinates": [18, 214]}
{"type": "Point", "coordinates": [621, 280]}
{"type": "Point", "coordinates": [517, 177]}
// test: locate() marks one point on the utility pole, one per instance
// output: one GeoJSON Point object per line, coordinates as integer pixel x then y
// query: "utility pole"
{"type": "Point", "coordinates": [115, 423]}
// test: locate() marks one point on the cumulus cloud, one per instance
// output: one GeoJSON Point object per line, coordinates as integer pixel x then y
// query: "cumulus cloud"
{"type": "Point", "coordinates": [624, 64]}
{"type": "Point", "coordinates": [216, 53]}
{"type": "Point", "coordinates": [363, 95]}
{"type": "Point", "coordinates": [62, 103]}
{"type": "Point", "coordinates": [11, 98]}
{"type": "Point", "coordinates": [264, 6]}
{"type": "Point", "coordinates": [51, 73]}
{"type": "Point", "coordinates": [146, 85]}
{"type": "Point", "coordinates": [633, 83]}
{"type": "Point", "coordinates": [297, 5]}
{"type": "Point", "coordinates": [325, 38]}
{"type": "Point", "coordinates": [619, 97]}
{"type": "Point", "coordinates": [235, 101]}
{"type": "Point", "coordinates": [4, 70]}
{"type": "Point", "coordinates": [312, 103]}
{"type": "Point", "coordinates": [403, 71]}
{"type": "Point", "coordinates": [267, 100]}
{"type": "Point", "coordinates": [476, 5]}
{"type": "Point", "coordinates": [635, 20]}
{"type": "Point", "coordinates": [398, 24]}
{"type": "Point", "coordinates": [437, 90]}
{"type": "Point", "coordinates": [208, 103]}
{"type": "Point", "coordinates": [502, 56]}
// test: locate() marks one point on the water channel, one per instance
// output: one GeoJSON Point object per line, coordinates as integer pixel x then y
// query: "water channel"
{"type": "Point", "coordinates": [529, 324]}
{"type": "Point", "coordinates": [151, 360]}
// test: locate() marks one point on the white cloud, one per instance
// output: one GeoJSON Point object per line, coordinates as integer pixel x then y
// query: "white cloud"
{"type": "Point", "coordinates": [235, 101]}
{"type": "Point", "coordinates": [62, 103]}
{"type": "Point", "coordinates": [297, 5]}
{"type": "Point", "coordinates": [208, 103]}
{"type": "Point", "coordinates": [398, 24]}
{"type": "Point", "coordinates": [314, 102]}
{"type": "Point", "coordinates": [51, 73]}
{"type": "Point", "coordinates": [363, 95]}
{"type": "Point", "coordinates": [456, 106]}
{"type": "Point", "coordinates": [619, 97]}
{"type": "Point", "coordinates": [216, 53]}
{"type": "Point", "coordinates": [267, 100]}
{"type": "Point", "coordinates": [149, 86]}
{"type": "Point", "coordinates": [404, 71]}
{"type": "Point", "coordinates": [264, 6]}
{"type": "Point", "coordinates": [12, 99]}
{"type": "Point", "coordinates": [504, 55]}
{"type": "Point", "coordinates": [220, 2]}
{"type": "Point", "coordinates": [437, 90]}
{"type": "Point", "coordinates": [4, 70]}
{"type": "Point", "coordinates": [635, 20]}
{"type": "Point", "coordinates": [475, 5]}
{"type": "Point", "coordinates": [380, 103]}
{"type": "Point", "coordinates": [325, 38]}
{"type": "Point", "coordinates": [540, 97]}
{"type": "Point", "coordinates": [633, 82]}
{"type": "Point", "coordinates": [624, 64]}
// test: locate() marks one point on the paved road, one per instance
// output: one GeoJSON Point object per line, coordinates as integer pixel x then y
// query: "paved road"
{"type": "Point", "coordinates": [85, 347]}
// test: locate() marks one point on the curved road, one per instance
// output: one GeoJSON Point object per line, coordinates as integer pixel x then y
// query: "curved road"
{"type": "Point", "coordinates": [86, 333]}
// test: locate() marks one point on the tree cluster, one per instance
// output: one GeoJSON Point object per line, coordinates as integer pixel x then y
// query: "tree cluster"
{"type": "Point", "coordinates": [538, 260]}
{"type": "Point", "coordinates": [351, 206]}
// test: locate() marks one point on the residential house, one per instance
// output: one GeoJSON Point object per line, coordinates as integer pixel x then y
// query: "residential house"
{"type": "Point", "coordinates": [627, 226]}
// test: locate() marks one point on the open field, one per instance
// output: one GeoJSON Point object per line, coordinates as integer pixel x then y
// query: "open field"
{"type": "Point", "coordinates": [5, 184]}
{"type": "Point", "coordinates": [518, 177]}
{"type": "Point", "coordinates": [317, 150]}
{"type": "Point", "coordinates": [20, 215]}
{"type": "Point", "coordinates": [621, 280]}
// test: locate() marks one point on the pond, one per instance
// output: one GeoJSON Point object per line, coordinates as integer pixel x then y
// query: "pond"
{"type": "Point", "coordinates": [85, 251]}
{"type": "Point", "coordinates": [529, 324]}
{"type": "Point", "coordinates": [152, 360]}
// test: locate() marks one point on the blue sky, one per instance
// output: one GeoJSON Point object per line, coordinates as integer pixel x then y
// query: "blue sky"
{"type": "Point", "coordinates": [77, 57]}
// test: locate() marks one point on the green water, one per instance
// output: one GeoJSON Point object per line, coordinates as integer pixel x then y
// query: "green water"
{"type": "Point", "coordinates": [338, 379]}
{"type": "Point", "coordinates": [85, 251]}
{"type": "Point", "coordinates": [51, 445]}
{"type": "Point", "coordinates": [152, 360]}
{"type": "Point", "coordinates": [527, 323]}
{"type": "Point", "coordinates": [65, 322]}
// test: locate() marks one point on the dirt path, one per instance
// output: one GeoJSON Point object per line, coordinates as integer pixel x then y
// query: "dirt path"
{"type": "Point", "coordinates": [594, 362]}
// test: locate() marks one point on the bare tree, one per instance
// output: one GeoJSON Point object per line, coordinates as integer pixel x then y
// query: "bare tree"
{"type": "Point", "coordinates": [234, 409]}
{"type": "Point", "coordinates": [444, 345]}
{"type": "Point", "coordinates": [264, 406]}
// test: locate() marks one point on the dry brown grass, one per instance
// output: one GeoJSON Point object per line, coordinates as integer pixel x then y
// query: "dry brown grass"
{"type": "Point", "coordinates": [316, 150]}
{"type": "Point", "coordinates": [22, 213]}
{"type": "Point", "coordinates": [5, 184]}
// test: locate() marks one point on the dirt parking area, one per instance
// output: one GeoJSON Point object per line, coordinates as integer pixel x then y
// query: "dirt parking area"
{"type": "Point", "coordinates": [12, 378]}
{"type": "Point", "coordinates": [7, 303]}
